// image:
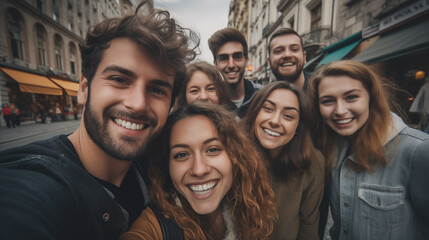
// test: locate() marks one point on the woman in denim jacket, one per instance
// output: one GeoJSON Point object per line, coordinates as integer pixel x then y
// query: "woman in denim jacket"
{"type": "Point", "coordinates": [379, 167]}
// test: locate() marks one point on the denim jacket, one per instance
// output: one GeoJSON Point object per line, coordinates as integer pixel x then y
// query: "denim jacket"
{"type": "Point", "coordinates": [389, 202]}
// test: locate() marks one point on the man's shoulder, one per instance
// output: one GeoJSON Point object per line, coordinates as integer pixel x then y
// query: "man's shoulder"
{"type": "Point", "coordinates": [253, 85]}
{"type": "Point", "coordinates": [49, 183]}
{"type": "Point", "coordinates": [55, 147]}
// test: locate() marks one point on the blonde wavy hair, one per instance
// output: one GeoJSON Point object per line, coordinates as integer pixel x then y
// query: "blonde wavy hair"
{"type": "Point", "coordinates": [251, 196]}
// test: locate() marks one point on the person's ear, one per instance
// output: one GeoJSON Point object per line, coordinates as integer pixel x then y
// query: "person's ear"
{"type": "Point", "coordinates": [82, 94]}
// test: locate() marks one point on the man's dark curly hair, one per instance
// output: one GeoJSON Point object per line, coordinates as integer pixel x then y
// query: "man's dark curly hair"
{"type": "Point", "coordinates": [169, 45]}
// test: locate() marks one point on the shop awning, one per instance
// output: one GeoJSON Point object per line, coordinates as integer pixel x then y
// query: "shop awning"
{"type": "Point", "coordinates": [70, 87]}
{"type": "Point", "coordinates": [33, 83]}
{"type": "Point", "coordinates": [312, 62]}
{"type": "Point", "coordinates": [339, 50]}
{"type": "Point", "coordinates": [407, 39]}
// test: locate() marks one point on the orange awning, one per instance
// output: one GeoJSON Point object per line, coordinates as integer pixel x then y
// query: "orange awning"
{"type": "Point", "coordinates": [33, 83]}
{"type": "Point", "coordinates": [70, 87]}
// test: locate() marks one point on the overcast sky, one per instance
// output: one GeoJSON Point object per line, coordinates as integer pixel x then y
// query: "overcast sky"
{"type": "Point", "coordinates": [202, 16]}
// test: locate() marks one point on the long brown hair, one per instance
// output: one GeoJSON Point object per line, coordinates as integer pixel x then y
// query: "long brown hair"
{"type": "Point", "coordinates": [367, 143]}
{"type": "Point", "coordinates": [250, 196]}
{"type": "Point", "coordinates": [296, 155]}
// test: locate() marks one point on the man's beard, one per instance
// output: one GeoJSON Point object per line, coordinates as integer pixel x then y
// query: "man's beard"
{"type": "Point", "coordinates": [291, 78]}
{"type": "Point", "coordinates": [120, 149]}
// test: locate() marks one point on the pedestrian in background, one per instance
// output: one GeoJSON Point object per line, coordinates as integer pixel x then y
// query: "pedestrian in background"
{"type": "Point", "coordinates": [6, 114]}
{"type": "Point", "coordinates": [421, 105]}
{"type": "Point", "coordinates": [17, 116]}
{"type": "Point", "coordinates": [378, 165]}
{"type": "Point", "coordinates": [75, 113]}
{"type": "Point", "coordinates": [206, 176]}
{"type": "Point", "coordinates": [58, 112]}
{"type": "Point", "coordinates": [42, 111]}
{"type": "Point", "coordinates": [14, 115]}
{"type": "Point", "coordinates": [278, 121]}
{"type": "Point", "coordinates": [205, 83]}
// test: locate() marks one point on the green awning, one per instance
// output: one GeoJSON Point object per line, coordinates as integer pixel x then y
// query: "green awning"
{"type": "Point", "coordinates": [313, 60]}
{"type": "Point", "coordinates": [339, 50]}
{"type": "Point", "coordinates": [338, 54]}
{"type": "Point", "coordinates": [410, 38]}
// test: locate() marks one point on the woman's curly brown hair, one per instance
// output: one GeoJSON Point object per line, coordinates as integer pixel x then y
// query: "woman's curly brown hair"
{"type": "Point", "coordinates": [250, 196]}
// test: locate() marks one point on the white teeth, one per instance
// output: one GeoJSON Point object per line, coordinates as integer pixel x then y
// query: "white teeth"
{"type": "Point", "coordinates": [232, 73]}
{"type": "Point", "coordinates": [129, 125]}
{"type": "Point", "coordinates": [344, 121]}
{"type": "Point", "coordinates": [202, 189]}
{"type": "Point", "coordinates": [287, 64]}
{"type": "Point", "coordinates": [276, 134]}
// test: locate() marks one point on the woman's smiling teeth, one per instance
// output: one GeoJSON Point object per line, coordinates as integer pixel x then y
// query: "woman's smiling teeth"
{"type": "Point", "coordinates": [203, 188]}
{"type": "Point", "coordinates": [344, 121]}
{"type": "Point", "coordinates": [129, 125]}
{"type": "Point", "coordinates": [272, 133]}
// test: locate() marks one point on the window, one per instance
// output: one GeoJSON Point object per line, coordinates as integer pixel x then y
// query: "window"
{"type": "Point", "coordinates": [71, 20]}
{"type": "Point", "coordinates": [58, 53]}
{"type": "Point", "coordinates": [15, 34]}
{"type": "Point", "coordinates": [316, 14]}
{"type": "Point", "coordinates": [72, 58]}
{"type": "Point", "coordinates": [56, 10]}
{"type": "Point", "coordinates": [39, 5]}
{"type": "Point", "coordinates": [41, 45]}
{"type": "Point", "coordinates": [291, 22]}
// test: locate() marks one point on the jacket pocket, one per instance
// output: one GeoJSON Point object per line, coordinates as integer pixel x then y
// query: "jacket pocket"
{"type": "Point", "coordinates": [382, 211]}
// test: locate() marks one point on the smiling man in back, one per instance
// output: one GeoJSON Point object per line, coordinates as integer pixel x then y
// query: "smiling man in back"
{"type": "Point", "coordinates": [287, 57]}
{"type": "Point", "coordinates": [229, 49]}
{"type": "Point", "coordinates": [89, 185]}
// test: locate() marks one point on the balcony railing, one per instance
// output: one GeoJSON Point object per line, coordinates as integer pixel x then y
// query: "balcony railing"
{"type": "Point", "coordinates": [315, 36]}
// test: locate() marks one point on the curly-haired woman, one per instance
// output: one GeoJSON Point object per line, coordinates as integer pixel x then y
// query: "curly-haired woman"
{"type": "Point", "coordinates": [206, 176]}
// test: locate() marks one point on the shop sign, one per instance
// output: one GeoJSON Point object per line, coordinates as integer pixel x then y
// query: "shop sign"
{"type": "Point", "coordinates": [404, 14]}
{"type": "Point", "coordinates": [370, 31]}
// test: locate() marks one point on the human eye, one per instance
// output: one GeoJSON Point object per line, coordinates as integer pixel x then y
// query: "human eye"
{"type": "Point", "coordinates": [351, 97]}
{"type": "Point", "coordinates": [238, 56]}
{"type": "Point", "coordinates": [267, 108]}
{"type": "Point", "coordinates": [180, 156]}
{"type": "Point", "coordinates": [157, 91]}
{"type": "Point", "coordinates": [118, 79]}
{"type": "Point", "coordinates": [214, 150]}
{"type": "Point", "coordinates": [326, 101]}
{"type": "Point", "coordinates": [288, 116]}
{"type": "Point", "coordinates": [222, 57]}
{"type": "Point", "coordinates": [193, 91]}
{"type": "Point", "coordinates": [211, 89]}
{"type": "Point", "coordinates": [277, 50]}
{"type": "Point", "coordinates": [295, 49]}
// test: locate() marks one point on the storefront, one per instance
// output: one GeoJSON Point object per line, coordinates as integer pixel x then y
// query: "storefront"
{"type": "Point", "coordinates": [36, 94]}
{"type": "Point", "coordinates": [401, 50]}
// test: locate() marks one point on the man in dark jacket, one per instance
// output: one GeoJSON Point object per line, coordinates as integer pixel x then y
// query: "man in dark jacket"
{"type": "Point", "coordinates": [89, 184]}
{"type": "Point", "coordinates": [229, 49]}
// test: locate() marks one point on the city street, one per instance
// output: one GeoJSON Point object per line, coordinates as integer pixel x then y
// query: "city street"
{"type": "Point", "coordinates": [14, 137]}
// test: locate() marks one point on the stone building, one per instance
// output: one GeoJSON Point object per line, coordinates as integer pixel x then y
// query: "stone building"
{"type": "Point", "coordinates": [390, 35]}
{"type": "Point", "coordinates": [39, 50]}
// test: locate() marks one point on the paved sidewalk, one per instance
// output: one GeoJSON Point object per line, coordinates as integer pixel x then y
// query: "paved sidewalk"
{"type": "Point", "coordinates": [34, 129]}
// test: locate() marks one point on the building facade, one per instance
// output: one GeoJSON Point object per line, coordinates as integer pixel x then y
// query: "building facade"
{"type": "Point", "coordinates": [344, 29]}
{"type": "Point", "coordinates": [39, 51]}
